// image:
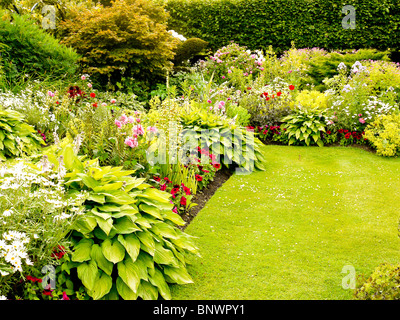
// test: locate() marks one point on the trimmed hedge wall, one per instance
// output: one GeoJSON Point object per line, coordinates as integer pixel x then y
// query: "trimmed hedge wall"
{"type": "Point", "coordinates": [309, 23]}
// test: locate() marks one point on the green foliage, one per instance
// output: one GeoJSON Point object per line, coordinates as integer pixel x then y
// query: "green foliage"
{"type": "Point", "coordinates": [383, 284]}
{"type": "Point", "coordinates": [323, 67]}
{"type": "Point", "coordinates": [17, 138]}
{"type": "Point", "coordinates": [240, 114]}
{"type": "Point", "coordinates": [127, 39]}
{"type": "Point", "coordinates": [27, 50]}
{"type": "Point", "coordinates": [312, 99]}
{"type": "Point", "coordinates": [384, 135]}
{"type": "Point", "coordinates": [186, 50]}
{"type": "Point", "coordinates": [258, 23]}
{"type": "Point", "coordinates": [127, 244]}
{"type": "Point", "coordinates": [234, 146]}
{"type": "Point", "coordinates": [304, 126]}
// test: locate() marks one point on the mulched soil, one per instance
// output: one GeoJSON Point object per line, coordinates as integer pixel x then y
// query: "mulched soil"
{"type": "Point", "coordinates": [203, 196]}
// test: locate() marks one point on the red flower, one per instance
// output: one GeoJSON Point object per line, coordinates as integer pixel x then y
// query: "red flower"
{"type": "Point", "coordinates": [278, 93]}
{"type": "Point", "coordinates": [347, 135]}
{"type": "Point", "coordinates": [33, 279]}
{"type": "Point", "coordinates": [158, 179]}
{"type": "Point", "coordinates": [174, 191]}
{"type": "Point", "coordinates": [328, 132]}
{"type": "Point", "coordinates": [340, 130]}
{"type": "Point", "coordinates": [58, 252]}
{"type": "Point", "coordinates": [187, 191]}
{"type": "Point", "coordinates": [248, 88]}
{"type": "Point", "coordinates": [92, 95]}
{"type": "Point", "coordinates": [183, 201]}
{"type": "Point", "coordinates": [217, 165]}
{"type": "Point", "coordinates": [198, 177]}
{"type": "Point", "coordinates": [57, 102]}
{"type": "Point", "coordinates": [267, 98]}
{"type": "Point", "coordinates": [94, 105]}
{"type": "Point", "coordinates": [168, 181]}
{"type": "Point", "coordinates": [265, 94]}
{"type": "Point", "coordinates": [163, 187]}
{"type": "Point", "coordinates": [291, 87]}
{"type": "Point", "coordinates": [47, 292]}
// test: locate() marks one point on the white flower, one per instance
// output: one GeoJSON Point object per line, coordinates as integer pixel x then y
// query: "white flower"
{"type": "Point", "coordinates": [3, 297]}
{"type": "Point", "coordinates": [7, 213]}
{"type": "Point", "coordinates": [341, 66]}
{"type": "Point", "coordinates": [177, 35]}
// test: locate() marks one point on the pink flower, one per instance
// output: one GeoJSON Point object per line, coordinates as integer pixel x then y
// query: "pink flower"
{"type": "Point", "coordinates": [209, 101]}
{"type": "Point", "coordinates": [229, 71]}
{"type": "Point", "coordinates": [221, 103]}
{"type": "Point", "coordinates": [131, 119]}
{"type": "Point", "coordinates": [50, 94]}
{"type": "Point", "coordinates": [83, 77]}
{"type": "Point", "coordinates": [65, 297]}
{"type": "Point", "coordinates": [89, 85]}
{"type": "Point", "coordinates": [175, 210]}
{"type": "Point", "coordinates": [152, 129]}
{"type": "Point", "coordinates": [131, 142]}
{"type": "Point", "coordinates": [361, 120]}
{"type": "Point", "coordinates": [113, 101]}
{"type": "Point", "coordinates": [124, 119]}
{"type": "Point", "coordinates": [118, 123]}
{"type": "Point", "coordinates": [104, 104]}
{"type": "Point", "coordinates": [138, 130]}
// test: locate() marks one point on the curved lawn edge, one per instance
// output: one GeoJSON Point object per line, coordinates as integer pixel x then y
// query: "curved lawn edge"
{"type": "Point", "coordinates": [288, 232]}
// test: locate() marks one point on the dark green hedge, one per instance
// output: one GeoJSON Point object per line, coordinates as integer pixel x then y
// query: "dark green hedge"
{"type": "Point", "coordinates": [309, 23]}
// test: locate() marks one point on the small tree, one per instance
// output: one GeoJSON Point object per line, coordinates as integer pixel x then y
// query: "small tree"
{"type": "Point", "coordinates": [128, 38]}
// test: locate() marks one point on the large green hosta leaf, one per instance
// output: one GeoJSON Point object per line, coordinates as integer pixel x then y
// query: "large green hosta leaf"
{"type": "Point", "coordinates": [127, 244]}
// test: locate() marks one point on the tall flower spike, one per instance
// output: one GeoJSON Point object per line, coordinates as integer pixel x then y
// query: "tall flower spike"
{"type": "Point", "coordinates": [77, 143]}
{"type": "Point", "coordinates": [45, 164]}
{"type": "Point", "coordinates": [61, 168]}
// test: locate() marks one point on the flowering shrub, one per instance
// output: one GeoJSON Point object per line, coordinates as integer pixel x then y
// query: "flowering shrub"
{"type": "Point", "coordinates": [231, 61]}
{"type": "Point", "coordinates": [181, 195]}
{"type": "Point", "coordinates": [36, 215]}
{"type": "Point", "coordinates": [384, 135]}
{"type": "Point", "coordinates": [269, 104]}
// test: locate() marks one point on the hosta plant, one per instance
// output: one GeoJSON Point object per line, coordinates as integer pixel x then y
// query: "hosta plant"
{"type": "Point", "coordinates": [17, 138]}
{"type": "Point", "coordinates": [127, 244]}
{"type": "Point", "coordinates": [304, 126]}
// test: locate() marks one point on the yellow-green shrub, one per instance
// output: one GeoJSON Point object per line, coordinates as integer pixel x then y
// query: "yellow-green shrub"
{"type": "Point", "coordinates": [128, 38]}
{"type": "Point", "coordinates": [384, 134]}
{"type": "Point", "coordinates": [312, 100]}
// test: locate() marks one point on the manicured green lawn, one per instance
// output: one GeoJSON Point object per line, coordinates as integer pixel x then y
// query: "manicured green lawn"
{"type": "Point", "coordinates": [287, 232]}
